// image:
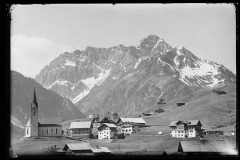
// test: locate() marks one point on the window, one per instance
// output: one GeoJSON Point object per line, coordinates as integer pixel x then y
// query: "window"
{"type": "Point", "coordinates": [27, 131]}
{"type": "Point", "coordinates": [42, 131]}
{"type": "Point", "coordinates": [56, 130]}
{"type": "Point", "coordinates": [47, 131]}
{"type": "Point", "coordinates": [34, 113]}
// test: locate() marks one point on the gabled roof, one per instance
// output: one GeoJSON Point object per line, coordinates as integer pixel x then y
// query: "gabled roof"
{"type": "Point", "coordinates": [110, 125]}
{"type": "Point", "coordinates": [56, 121]}
{"type": "Point", "coordinates": [101, 149]}
{"type": "Point", "coordinates": [206, 146]}
{"type": "Point", "coordinates": [194, 122]}
{"type": "Point", "coordinates": [86, 124]}
{"type": "Point", "coordinates": [173, 123]}
{"type": "Point", "coordinates": [188, 122]}
{"type": "Point", "coordinates": [78, 146]}
{"type": "Point", "coordinates": [135, 120]}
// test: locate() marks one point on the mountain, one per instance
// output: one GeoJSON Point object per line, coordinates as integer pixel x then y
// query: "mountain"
{"type": "Point", "coordinates": [50, 103]}
{"type": "Point", "coordinates": [130, 80]}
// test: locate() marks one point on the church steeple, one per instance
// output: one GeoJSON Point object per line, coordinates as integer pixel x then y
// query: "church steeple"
{"type": "Point", "coordinates": [35, 98]}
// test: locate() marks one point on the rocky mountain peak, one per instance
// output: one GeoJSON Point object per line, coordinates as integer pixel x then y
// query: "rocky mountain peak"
{"type": "Point", "coordinates": [131, 79]}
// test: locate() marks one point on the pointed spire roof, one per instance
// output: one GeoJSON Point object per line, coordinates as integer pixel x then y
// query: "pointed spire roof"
{"type": "Point", "coordinates": [34, 97]}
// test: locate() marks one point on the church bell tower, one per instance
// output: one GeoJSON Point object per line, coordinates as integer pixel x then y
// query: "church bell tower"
{"type": "Point", "coordinates": [34, 116]}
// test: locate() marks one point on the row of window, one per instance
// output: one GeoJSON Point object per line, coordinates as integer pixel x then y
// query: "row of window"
{"type": "Point", "coordinates": [178, 131]}
{"type": "Point", "coordinates": [51, 132]}
{"type": "Point", "coordinates": [80, 133]}
{"type": "Point", "coordinates": [126, 130]}
{"type": "Point", "coordinates": [80, 129]}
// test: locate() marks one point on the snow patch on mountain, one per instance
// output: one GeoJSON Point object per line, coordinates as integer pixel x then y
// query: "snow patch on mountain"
{"type": "Point", "coordinates": [70, 63]}
{"type": "Point", "coordinates": [64, 82]}
{"type": "Point", "coordinates": [203, 69]}
{"type": "Point", "coordinates": [156, 44]}
{"type": "Point", "coordinates": [90, 83]}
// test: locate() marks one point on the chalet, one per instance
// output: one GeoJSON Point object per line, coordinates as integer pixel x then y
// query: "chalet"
{"type": "Point", "coordinates": [79, 149]}
{"type": "Point", "coordinates": [147, 114]}
{"type": "Point", "coordinates": [139, 121]}
{"type": "Point", "coordinates": [206, 147]}
{"type": "Point", "coordinates": [219, 92]}
{"type": "Point", "coordinates": [214, 132]}
{"type": "Point", "coordinates": [126, 128]}
{"type": "Point", "coordinates": [40, 127]}
{"type": "Point", "coordinates": [107, 131]}
{"type": "Point", "coordinates": [182, 129]}
{"type": "Point", "coordinates": [180, 104]}
{"type": "Point", "coordinates": [159, 110]}
{"type": "Point", "coordinates": [84, 149]}
{"type": "Point", "coordinates": [81, 128]}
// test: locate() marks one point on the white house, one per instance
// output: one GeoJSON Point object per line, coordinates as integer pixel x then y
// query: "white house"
{"type": "Point", "coordinates": [184, 129]}
{"type": "Point", "coordinates": [126, 128]}
{"type": "Point", "coordinates": [81, 128]}
{"type": "Point", "coordinates": [107, 131]}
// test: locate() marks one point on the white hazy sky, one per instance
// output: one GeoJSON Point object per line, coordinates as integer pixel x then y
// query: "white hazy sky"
{"type": "Point", "coordinates": [40, 33]}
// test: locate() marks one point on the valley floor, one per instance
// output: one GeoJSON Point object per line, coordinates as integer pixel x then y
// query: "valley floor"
{"type": "Point", "coordinates": [136, 142]}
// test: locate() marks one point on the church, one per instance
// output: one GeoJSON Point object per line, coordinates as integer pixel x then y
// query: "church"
{"type": "Point", "coordinates": [41, 127]}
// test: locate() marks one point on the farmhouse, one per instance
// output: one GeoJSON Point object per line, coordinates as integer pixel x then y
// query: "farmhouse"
{"type": "Point", "coordinates": [42, 126]}
{"type": "Point", "coordinates": [78, 148]}
{"type": "Point", "coordinates": [182, 129]}
{"type": "Point", "coordinates": [81, 128]}
{"type": "Point", "coordinates": [134, 120]}
{"type": "Point", "coordinates": [126, 128]}
{"type": "Point", "coordinates": [107, 131]}
{"type": "Point", "coordinates": [206, 147]}
{"type": "Point", "coordinates": [84, 149]}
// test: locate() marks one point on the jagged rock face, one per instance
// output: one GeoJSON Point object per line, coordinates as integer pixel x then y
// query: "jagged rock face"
{"type": "Point", "coordinates": [50, 104]}
{"type": "Point", "coordinates": [129, 80]}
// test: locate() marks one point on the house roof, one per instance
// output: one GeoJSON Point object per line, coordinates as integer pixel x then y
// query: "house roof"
{"type": "Point", "coordinates": [78, 146]}
{"type": "Point", "coordinates": [57, 121]}
{"type": "Point", "coordinates": [206, 146]}
{"type": "Point", "coordinates": [135, 120]}
{"type": "Point", "coordinates": [173, 123]}
{"type": "Point", "coordinates": [194, 122]}
{"type": "Point", "coordinates": [189, 122]}
{"type": "Point", "coordinates": [110, 125]}
{"type": "Point", "coordinates": [101, 149]}
{"type": "Point", "coordinates": [86, 124]}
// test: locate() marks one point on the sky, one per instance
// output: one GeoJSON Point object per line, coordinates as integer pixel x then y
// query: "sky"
{"type": "Point", "coordinates": [40, 33]}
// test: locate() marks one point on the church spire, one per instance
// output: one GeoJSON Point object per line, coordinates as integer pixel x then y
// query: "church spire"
{"type": "Point", "coordinates": [34, 98]}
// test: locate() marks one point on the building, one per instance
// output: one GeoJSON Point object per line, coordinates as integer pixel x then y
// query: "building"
{"type": "Point", "coordinates": [81, 128]}
{"type": "Point", "coordinates": [36, 126]}
{"type": "Point", "coordinates": [206, 147]}
{"type": "Point", "coordinates": [184, 129]}
{"type": "Point", "coordinates": [126, 128]}
{"type": "Point", "coordinates": [107, 131]}
{"type": "Point", "coordinates": [78, 149]}
{"type": "Point", "coordinates": [133, 120]}
{"type": "Point", "coordinates": [84, 149]}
